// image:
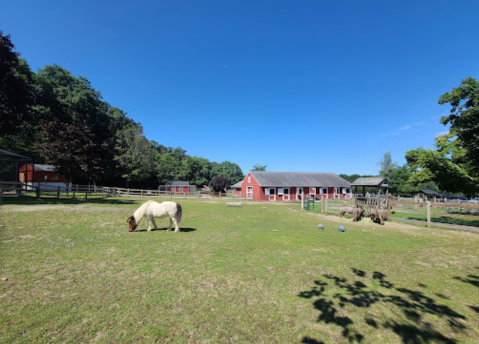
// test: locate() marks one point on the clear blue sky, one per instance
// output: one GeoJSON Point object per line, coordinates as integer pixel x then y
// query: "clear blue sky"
{"type": "Point", "coordinates": [326, 86]}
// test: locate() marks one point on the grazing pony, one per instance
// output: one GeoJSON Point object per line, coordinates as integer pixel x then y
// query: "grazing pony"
{"type": "Point", "coordinates": [356, 213]}
{"type": "Point", "coordinates": [154, 209]}
{"type": "Point", "coordinates": [377, 215]}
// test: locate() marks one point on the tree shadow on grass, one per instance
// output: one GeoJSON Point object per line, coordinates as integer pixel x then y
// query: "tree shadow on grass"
{"type": "Point", "coordinates": [471, 279]}
{"type": "Point", "coordinates": [44, 201]}
{"type": "Point", "coordinates": [413, 305]}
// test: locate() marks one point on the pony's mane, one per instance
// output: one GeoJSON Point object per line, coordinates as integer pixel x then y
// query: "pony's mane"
{"type": "Point", "coordinates": [140, 212]}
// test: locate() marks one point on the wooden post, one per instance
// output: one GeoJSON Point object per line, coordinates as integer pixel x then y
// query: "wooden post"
{"type": "Point", "coordinates": [415, 201]}
{"type": "Point", "coordinates": [326, 206]}
{"type": "Point", "coordinates": [58, 192]}
{"type": "Point", "coordinates": [38, 190]}
{"type": "Point", "coordinates": [141, 194]}
{"type": "Point", "coordinates": [389, 208]}
{"type": "Point", "coordinates": [429, 214]}
{"type": "Point", "coordinates": [302, 202]}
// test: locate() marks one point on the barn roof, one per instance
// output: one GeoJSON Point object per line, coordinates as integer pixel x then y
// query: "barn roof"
{"type": "Point", "coordinates": [45, 168]}
{"type": "Point", "coordinates": [370, 181]}
{"type": "Point", "coordinates": [178, 183]}
{"type": "Point", "coordinates": [4, 153]}
{"type": "Point", "coordinates": [428, 192]}
{"type": "Point", "coordinates": [299, 179]}
{"type": "Point", "coordinates": [237, 185]}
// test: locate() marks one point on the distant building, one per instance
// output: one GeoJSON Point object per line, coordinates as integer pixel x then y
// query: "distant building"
{"type": "Point", "coordinates": [292, 186]}
{"type": "Point", "coordinates": [175, 187]}
{"type": "Point", "coordinates": [35, 174]}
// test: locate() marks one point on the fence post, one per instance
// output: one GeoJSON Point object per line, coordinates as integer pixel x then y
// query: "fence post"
{"type": "Point", "coordinates": [302, 202]}
{"type": "Point", "coordinates": [58, 192]}
{"type": "Point", "coordinates": [38, 191]}
{"type": "Point", "coordinates": [326, 206]}
{"type": "Point", "coordinates": [428, 213]}
{"type": "Point", "coordinates": [141, 194]}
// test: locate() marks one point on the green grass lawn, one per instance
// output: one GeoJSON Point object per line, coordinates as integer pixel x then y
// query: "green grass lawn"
{"type": "Point", "coordinates": [257, 274]}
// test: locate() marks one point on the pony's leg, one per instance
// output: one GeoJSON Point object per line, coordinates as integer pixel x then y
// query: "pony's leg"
{"type": "Point", "coordinates": [154, 223]}
{"type": "Point", "coordinates": [149, 222]}
{"type": "Point", "coordinates": [177, 229]}
{"type": "Point", "coordinates": [171, 223]}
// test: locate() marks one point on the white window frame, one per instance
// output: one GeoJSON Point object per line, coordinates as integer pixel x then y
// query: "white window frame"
{"type": "Point", "coordinates": [287, 195]}
{"type": "Point", "coordinates": [271, 194]}
{"type": "Point", "coordinates": [299, 194]}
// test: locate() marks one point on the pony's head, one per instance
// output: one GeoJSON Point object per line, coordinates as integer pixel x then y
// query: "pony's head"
{"type": "Point", "coordinates": [131, 223]}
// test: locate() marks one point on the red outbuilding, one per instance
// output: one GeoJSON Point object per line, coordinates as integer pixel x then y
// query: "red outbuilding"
{"type": "Point", "coordinates": [33, 174]}
{"type": "Point", "coordinates": [291, 186]}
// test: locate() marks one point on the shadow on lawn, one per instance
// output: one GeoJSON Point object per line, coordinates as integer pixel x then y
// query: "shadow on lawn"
{"type": "Point", "coordinates": [471, 279]}
{"type": "Point", "coordinates": [186, 230]}
{"type": "Point", "coordinates": [42, 201]}
{"type": "Point", "coordinates": [336, 296]}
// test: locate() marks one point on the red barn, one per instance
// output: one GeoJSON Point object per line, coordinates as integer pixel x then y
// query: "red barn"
{"type": "Point", "coordinates": [237, 188]}
{"type": "Point", "coordinates": [177, 186]}
{"type": "Point", "coordinates": [34, 174]}
{"type": "Point", "coordinates": [291, 186]}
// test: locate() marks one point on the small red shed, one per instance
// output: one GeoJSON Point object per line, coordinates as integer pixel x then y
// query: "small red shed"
{"type": "Point", "coordinates": [33, 174]}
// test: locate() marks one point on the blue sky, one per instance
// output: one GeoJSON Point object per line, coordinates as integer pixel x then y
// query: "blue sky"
{"type": "Point", "coordinates": [325, 86]}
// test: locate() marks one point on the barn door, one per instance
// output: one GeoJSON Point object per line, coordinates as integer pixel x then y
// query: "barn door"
{"type": "Point", "coordinates": [249, 192]}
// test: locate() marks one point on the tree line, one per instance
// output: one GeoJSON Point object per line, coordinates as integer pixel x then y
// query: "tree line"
{"type": "Point", "coordinates": [57, 118]}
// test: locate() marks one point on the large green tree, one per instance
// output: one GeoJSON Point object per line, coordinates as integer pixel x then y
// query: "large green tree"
{"type": "Point", "coordinates": [454, 164]}
{"type": "Point", "coordinates": [16, 92]}
{"type": "Point", "coordinates": [135, 154]}
{"type": "Point", "coordinates": [229, 170]}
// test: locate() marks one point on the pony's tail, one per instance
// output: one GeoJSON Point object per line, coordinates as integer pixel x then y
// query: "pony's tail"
{"type": "Point", "coordinates": [179, 212]}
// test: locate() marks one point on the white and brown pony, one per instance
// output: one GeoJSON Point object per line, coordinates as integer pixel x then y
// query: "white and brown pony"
{"type": "Point", "coordinates": [152, 209]}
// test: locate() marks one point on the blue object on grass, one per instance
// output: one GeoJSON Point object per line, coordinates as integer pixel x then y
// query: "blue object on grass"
{"type": "Point", "coordinates": [341, 228]}
{"type": "Point", "coordinates": [320, 226]}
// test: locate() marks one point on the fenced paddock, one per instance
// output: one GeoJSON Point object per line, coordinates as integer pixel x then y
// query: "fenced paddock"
{"type": "Point", "coordinates": [254, 274]}
{"type": "Point", "coordinates": [455, 213]}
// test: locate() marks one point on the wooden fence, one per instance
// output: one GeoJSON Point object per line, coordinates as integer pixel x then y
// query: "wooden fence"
{"type": "Point", "coordinates": [454, 213]}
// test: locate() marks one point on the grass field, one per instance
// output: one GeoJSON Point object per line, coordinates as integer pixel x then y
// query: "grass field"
{"type": "Point", "coordinates": [257, 274]}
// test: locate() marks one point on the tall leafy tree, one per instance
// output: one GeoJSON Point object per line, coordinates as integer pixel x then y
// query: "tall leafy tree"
{"type": "Point", "coordinates": [16, 92]}
{"type": "Point", "coordinates": [229, 170]}
{"type": "Point", "coordinates": [135, 155]}
{"type": "Point", "coordinates": [259, 167]}
{"type": "Point", "coordinates": [220, 184]}
{"type": "Point", "coordinates": [454, 164]}
{"type": "Point", "coordinates": [71, 148]}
